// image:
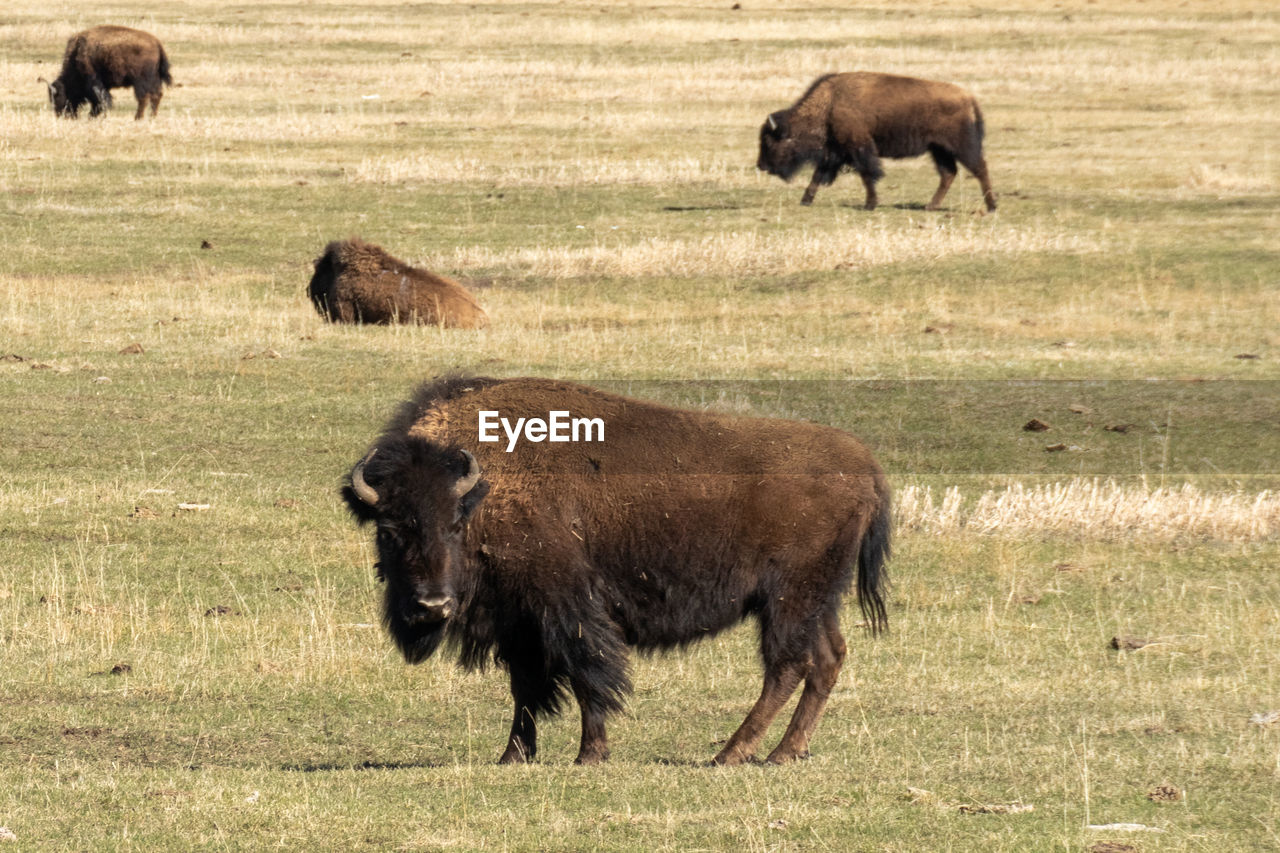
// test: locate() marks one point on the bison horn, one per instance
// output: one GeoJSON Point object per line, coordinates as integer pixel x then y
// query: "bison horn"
{"type": "Point", "coordinates": [773, 122]}
{"type": "Point", "coordinates": [469, 480]}
{"type": "Point", "coordinates": [362, 489]}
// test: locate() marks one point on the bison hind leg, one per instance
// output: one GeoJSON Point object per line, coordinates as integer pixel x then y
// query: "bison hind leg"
{"type": "Point", "coordinates": [827, 659]}
{"type": "Point", "coordinates": [945, 162]}
{"type": "Point", "coordinates": [978, 166]}
{"type": "Point", "coordinates": [866, 162]}
{"type": "Point", "coordinates": [147, 93]}
{"type": "Point", "coordinates": [780, 681]}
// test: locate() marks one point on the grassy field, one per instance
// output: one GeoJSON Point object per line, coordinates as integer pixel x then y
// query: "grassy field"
{"type": "Point", "coordinates": [217, 678]}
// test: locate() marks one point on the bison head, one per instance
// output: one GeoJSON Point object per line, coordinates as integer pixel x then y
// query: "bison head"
{"type": "Point", "coordinates": [780, 152]}
{"type": "Point", "coordinates": [420, 497]}
{"type": "Point", "coordinates": [58, 98]}
{"type": "Point", "coordinates": [777, 149]}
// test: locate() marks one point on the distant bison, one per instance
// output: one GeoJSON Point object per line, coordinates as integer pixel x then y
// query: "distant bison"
{"type": "Point", "coordinates": [855, 119]}
{"type": "Point", "coordinates": [105, 58]}
{"type": "Point", "coordinates": [658, 527]}
{"type": "Point", "coordinates": [358, 282]}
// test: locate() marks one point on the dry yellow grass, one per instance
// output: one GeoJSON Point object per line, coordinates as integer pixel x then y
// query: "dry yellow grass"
{"type": "Point", "coordinates": [1094, 509]}
{"type": "Point", "coordinates": [754, 253]}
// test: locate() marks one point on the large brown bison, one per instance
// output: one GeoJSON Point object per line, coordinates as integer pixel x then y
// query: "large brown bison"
{"type": "Point", "coordinates": [855, 119]}
{"type": "Point", "coordinates": [105, 58]}
{"type": "Point", "coordinates": [358, 282]}
{"type": "Point", "coordinates": [666, 526]}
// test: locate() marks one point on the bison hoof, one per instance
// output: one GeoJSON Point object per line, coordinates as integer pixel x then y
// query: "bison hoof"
{"type": "Point", "coordinates": [592, 758]}
{"type": "Point", "coordinates": [514, 756]}
{"type": "Point", "coordinates": [728, 758]}
{"type": "Point", "coordinates": [806, 201]}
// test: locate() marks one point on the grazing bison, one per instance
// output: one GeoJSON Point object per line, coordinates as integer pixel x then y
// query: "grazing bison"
{"type": "Point", "coordinates": [358, 282]}
{"type": "Point", "coordinates": [554, 556]}
{"type": "Point", "coordinates": [855, 119]}
{"type": "Point", "coordinates": [105, 58]}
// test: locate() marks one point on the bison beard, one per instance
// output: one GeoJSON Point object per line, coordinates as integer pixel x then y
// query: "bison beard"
{"type": "Point", "coordinates": [416, 639]}
{"type": "Point", "coordinates": [554, 560]}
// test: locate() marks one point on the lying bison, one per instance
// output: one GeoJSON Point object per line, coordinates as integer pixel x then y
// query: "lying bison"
{"type": "Point", "coordinates": [855, 119]}
{"type": "Point", "coordinates": [105, 58]}
{"type": "Point", "coordinates": [358, 282]}
{"type": "Point", "coordinates": [666, 527]}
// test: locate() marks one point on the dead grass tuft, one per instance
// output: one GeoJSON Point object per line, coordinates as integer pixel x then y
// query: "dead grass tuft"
{"type": "Point", "coordinates": [1095, 509]}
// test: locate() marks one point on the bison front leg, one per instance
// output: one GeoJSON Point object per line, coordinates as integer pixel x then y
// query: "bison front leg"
{"type": "Point", "coordinates": [594, 748]}
{"type": "Point", "coordinates": [823, 175]}
{"type": "Point", "coordinates": [522, 744]}
{"type": "Point", "coordinates": [99, 99]}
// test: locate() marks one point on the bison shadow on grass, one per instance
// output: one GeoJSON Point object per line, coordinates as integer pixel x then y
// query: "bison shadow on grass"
{"type": "Point", "coordinates": [358, 282]}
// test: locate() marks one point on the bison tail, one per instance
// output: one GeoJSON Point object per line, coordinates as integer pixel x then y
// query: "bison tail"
{"type": "Point", "coordinates": [979, 126]}
{"type": "Point", "coordinates": [162, 69]}
{"type": "Point", "coordinates": [872, 578]}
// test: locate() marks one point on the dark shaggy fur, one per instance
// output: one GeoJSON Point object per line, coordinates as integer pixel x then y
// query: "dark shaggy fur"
{"type": "Point", "coordinates": [358, 282]}
{"type": "Point", "coordinates": [105, 58]}
{"type": "Point", "coordinates": [678, 525]}
{"type": "Point", "coordinates": [855, 119]}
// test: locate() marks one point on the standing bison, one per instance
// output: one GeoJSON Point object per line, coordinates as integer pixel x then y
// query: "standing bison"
{"type": "Point", "coordinates": [358, 282]}
{"type": "Point", "coordinates": [666, 526]}
{"type": "Point", "coordinates": [105, 58]}
{"type": "Point", "coordinates": [855, 119]}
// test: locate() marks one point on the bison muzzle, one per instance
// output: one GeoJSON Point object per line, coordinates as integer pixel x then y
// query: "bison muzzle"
{"type": "Point", "coordinates": [554, 559]}
{"type": "Point", "coordinates": [855, 119]}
